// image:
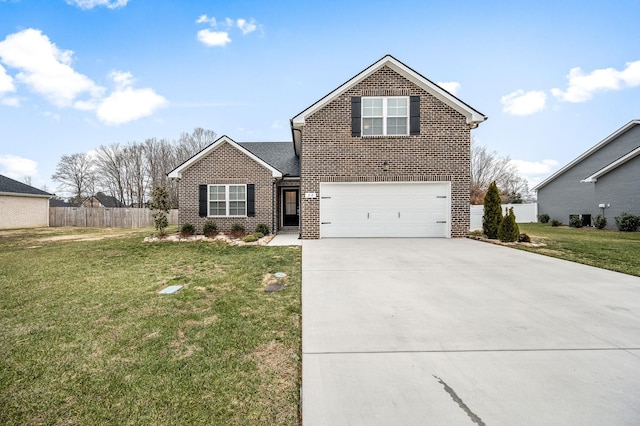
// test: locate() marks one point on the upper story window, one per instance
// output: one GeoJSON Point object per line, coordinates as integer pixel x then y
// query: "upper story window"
{"type": "Point", "coordinates": [385, 116]}
{"type": "Point", "coordinates": [227, 200]}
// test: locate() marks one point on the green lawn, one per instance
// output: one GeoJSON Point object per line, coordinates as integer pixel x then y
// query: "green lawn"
{"type": "Point", "coordinates": [86, 339]}
{"type": "Point", "coordinates": [614, 250]}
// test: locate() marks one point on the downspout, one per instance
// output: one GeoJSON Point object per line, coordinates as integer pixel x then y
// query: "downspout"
{"type": "Point", "coordinates": [273, 206]}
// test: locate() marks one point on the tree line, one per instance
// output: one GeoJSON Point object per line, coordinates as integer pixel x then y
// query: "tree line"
{"type": "Point", "coordinates": [132, 171]}
{"type": "Point", "coordinates": [129, 172]}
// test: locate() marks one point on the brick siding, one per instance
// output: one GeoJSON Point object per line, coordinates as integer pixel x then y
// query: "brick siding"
{"type": "Point", "coordinates": [23, 212]}
{"type": "Point", "coordinates": [440, 153]}
{"type": "Point", "coordinates": [226, 165]}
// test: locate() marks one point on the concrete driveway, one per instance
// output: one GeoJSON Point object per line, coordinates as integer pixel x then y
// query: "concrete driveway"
{"type": "Point", "coordinates": [439, 331]}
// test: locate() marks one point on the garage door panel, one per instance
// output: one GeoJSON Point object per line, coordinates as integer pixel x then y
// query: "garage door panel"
{"type": "Point", "coordinates": [384, 209]}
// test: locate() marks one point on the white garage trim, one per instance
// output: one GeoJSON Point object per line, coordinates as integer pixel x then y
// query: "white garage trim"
{"type": "Point", "coordinates": [385, 209]}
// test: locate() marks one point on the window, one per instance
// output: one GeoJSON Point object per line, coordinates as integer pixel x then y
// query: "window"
{"type": "Point", "coordinates": [385, 116]}
{"type": "Point", "coordinates": [227, 200]}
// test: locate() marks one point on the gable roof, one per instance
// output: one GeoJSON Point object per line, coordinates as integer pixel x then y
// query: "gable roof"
{"type": "Point", "coordinates": [9, 186]}
{"type": "Point", "coordinates": [106, 200]}
{"type": "Point", "coordinates": [590, 151]}
{"type": "Point", "coordinates": [474, 117]}
{"type": "Point", "coordinates": [620, 161]}
{"type": "Point", "coordinates": [177, 172]}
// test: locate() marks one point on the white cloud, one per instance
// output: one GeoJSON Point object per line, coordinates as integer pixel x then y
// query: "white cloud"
{"type": "Point", "coordinates": [277, 125]}
{"type": "Point", "coordinates": [582, 87]}
{"type": "Point", "coordinates": [221, 38]}
{"type": "Point", "coordinates": [246, 27]}
{"type": "Point", "coordinates": [90, 4]}
{"type": "Point", "coordinates": [450, 86]}
{"type": "Point", "coordinates": [45, 68]}
{"type": "Point", "coordinates": [127, 104]}
{"type": "Point", "coordinates": [17, 167]}
{"type": "Point", "coordinates": [214, 38]}
{"type": "Point", "coordinates": [12, 102]}
{"type": "Point", "coordinates": [204, 19]}
{"type": "Point", "coordinates": [523, 103]}
{"type": "Point", "coordinates": [121, 79]}
{"type": "Point", "coordinates": [535, 171]}
{"type": "Point", "coordinates": [6, 82]}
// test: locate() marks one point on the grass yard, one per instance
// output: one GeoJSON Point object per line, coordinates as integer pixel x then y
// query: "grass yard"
{"type": "Point", "coordinates": [613, 250]}
{"type": "Point", "coordinates": [86, 338]}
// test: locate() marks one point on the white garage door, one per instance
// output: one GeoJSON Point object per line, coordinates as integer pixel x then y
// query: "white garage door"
{"type": "Point", "coordinates": [406, 209]}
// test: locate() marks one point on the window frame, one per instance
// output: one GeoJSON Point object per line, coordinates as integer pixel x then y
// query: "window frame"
{"type": "Point", "coordinates": [227, 199]}
{"type": "Point", "coordinates": [385, 115]}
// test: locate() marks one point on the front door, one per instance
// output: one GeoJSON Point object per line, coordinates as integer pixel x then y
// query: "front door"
{"type": "Point", "coordinates": [290, 209]}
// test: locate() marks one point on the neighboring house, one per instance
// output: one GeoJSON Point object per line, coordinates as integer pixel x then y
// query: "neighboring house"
{"type": "Point", "coordinates": [603, 180]}
{"type": "Point", "coordinates": [102, 200]}
{"type": "Point", "coordinates": [386, 154]}
{"type": "Point", "coordinates": [22, 205]}
{"type": "Point", "coordinates": [59, 202]}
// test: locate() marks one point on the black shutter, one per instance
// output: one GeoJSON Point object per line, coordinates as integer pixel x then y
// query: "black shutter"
{"type": "Point", "coordinates": [356, 115]}
{"type": "Point", "coordinates": [202, 201]}
{"type": "Point", "coordinates": [414, 115]}
{"type": "Point", "coordinates": [251, 200]}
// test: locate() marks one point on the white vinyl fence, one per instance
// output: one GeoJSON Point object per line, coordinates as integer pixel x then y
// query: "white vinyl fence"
{"type": "Point", "coordinates": [525, 213]}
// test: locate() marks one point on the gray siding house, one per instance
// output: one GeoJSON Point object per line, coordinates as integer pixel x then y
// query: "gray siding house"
{"type": "Point", "coordinates": [603, 180]}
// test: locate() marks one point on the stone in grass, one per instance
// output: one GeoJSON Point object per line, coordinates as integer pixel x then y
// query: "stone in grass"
{"type": "Point", "coordinates": [274, 287]}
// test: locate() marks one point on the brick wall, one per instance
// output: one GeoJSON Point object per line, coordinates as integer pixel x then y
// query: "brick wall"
{"type": "Point", "coordinates": [23, 212]}
{"type": "Point", "coordinates": [225, 165]}
{"type": "Point", "coordinates": [440, 153]}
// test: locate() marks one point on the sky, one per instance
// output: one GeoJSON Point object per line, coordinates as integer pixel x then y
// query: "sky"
{"type": "Point", "coordinates": [554, 77]}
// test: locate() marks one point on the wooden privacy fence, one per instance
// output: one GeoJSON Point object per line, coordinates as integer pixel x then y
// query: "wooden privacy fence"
{"type": "Point", "coordinates": [105, 217]}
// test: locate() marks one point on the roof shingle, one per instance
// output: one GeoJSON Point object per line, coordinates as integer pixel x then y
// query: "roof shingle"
{"type": "Point", "coordinates": [9, 185]}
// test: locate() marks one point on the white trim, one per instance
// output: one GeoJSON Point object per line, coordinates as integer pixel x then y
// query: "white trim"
{"type": "Point", "coordinates": [177, 172]}
{"type": "Point", "coordinates": [226, 200]}
{"type": "Point", "coordinates": [620, 161]}
{"type": "Point", "coordinates": [586, 154]}
{"type": "Point", "coordinates": [474, 117]}
{"type": "Point", "coordinates": [22, 194]}
{"type": "Point", "coordinates": [385, 115]}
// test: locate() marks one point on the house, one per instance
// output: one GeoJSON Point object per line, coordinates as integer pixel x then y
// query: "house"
{"type": "Point", "coordinates": [22, 205]}
{"type": "Point", "coordinates": [386, 154]}
{"type": "Point", "coordinates": [102, 200]}
{"type": "Point", "coordinates": [603, 180]}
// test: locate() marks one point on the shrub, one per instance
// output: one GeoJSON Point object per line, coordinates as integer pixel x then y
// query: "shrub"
{"type": "Point", "coordinates": [262, 228]}
{"type": "Point", "coordinates": [160, 206]}
{"type": "Point", "coordinates": [187, 229]}
{"type": "Point", "coordinates": [555, 222]}
{"type": "Point", "coordinates": [600, 221]}
{"type": "Point", "coordinates": [250, 238]}
{"type": "Point", "coordinates": [508, 230]}
{"type": "Point", "coordinates": [492, 212]}
{"type": "Point", "coordinates": [575, 221]}
{"type": "Point", "coordinates": [210, 229]}
{"type": "Point", "coordinates": [543, 218]}
{"type": "Point", "coordinates": [258, 235]}
{"type": "Point", "coordinates": [237, 230]}
{"type": "Point", "coordinates": [627, 222]}
{"type": "Point", "coordinates": [524, 238]}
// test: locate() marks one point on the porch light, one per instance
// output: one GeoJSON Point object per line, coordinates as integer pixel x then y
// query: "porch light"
{"type": "Point", "coordinates": [385, 166]}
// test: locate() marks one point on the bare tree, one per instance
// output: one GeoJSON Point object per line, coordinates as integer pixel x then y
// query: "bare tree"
{"type": "Point", "coordinates": [27, 180]}
{"type": "Point", "coordinates": [191, 144]}
{"type": "Point", "coordinates": [75, 173]}
{"type": "Point", "coordinates": [110, 165]}
{"type": "Point", "coordinates": [487, 167]}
